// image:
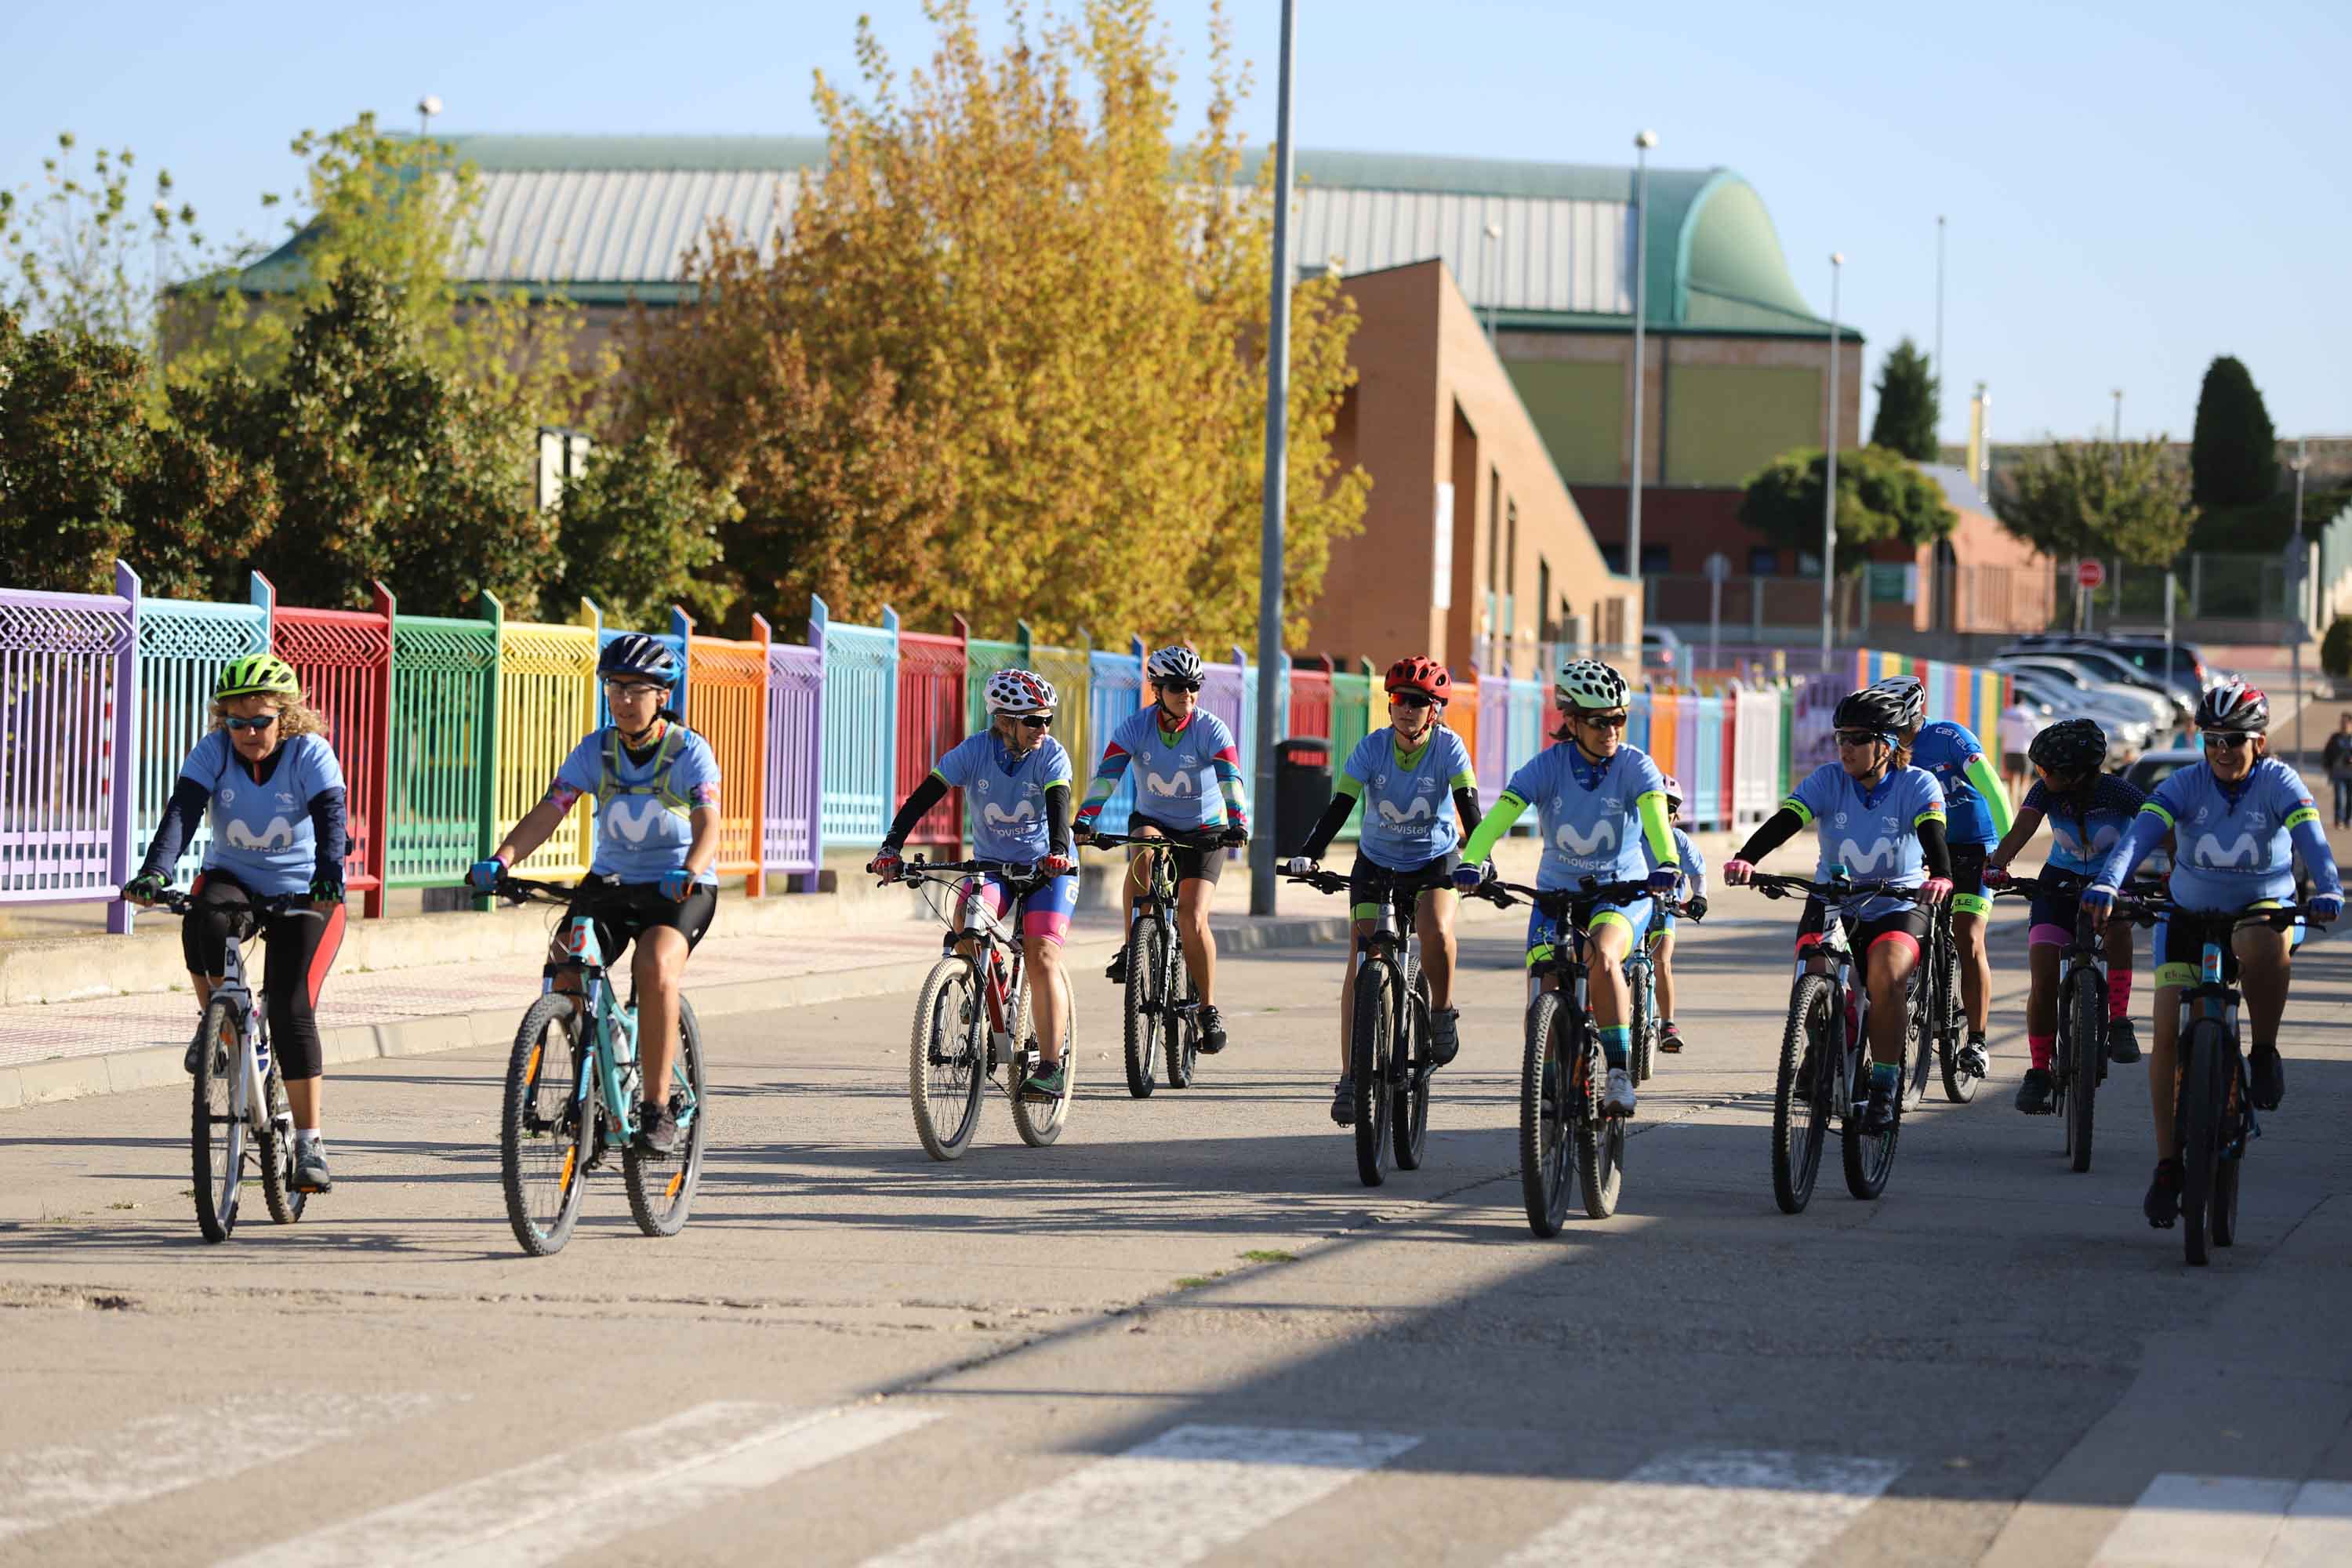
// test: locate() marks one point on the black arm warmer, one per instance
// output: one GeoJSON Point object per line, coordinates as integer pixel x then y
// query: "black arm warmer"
{"type": "Point", "coordinates": [927, 794]}
{"type": "Point", "coordinates": [1058, 819]}
{"type": "Point", "coordinates": [1334, 817]}
{"type": "Point", "coordinates": [330, 821]}
{"type": "Point", "coordinates": [1777, 830]}
{"type": "Point", "coordinates": [1465, 801]}
{"type": "Point", "coordinates": [1937, 853]}
{"type": "Point", "coordinates": [181, 816]}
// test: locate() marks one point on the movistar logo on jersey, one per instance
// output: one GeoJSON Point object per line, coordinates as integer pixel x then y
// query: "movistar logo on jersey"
{"type": "Point", "coordinates": [1886, 851]}
{"type": "Point", "coordinates": [2099, 843]}
{"type": "Point", "coordinates": [1418, 812]}
{"type": "Point", "coordinates": [1179, 784]}
{"type": "Point", "coordinates": [1603, 839]}
{"type": "Point", "coordinates": [996, 816]}
{"type": "Point", "coordinates": [635, 817]}
{"type": "Point", "coordinates": [278, 834]}
{"type": "Point", "coordinates": [2247, 850]}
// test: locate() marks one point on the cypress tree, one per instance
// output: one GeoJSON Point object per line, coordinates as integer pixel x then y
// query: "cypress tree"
{"type": "Point", "coordinates": [1910, 396]}
{"type": "Point", "coordinates": [2233, 452]}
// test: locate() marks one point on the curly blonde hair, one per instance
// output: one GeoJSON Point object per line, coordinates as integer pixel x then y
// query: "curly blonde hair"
{"type": "Point", "coordinates": [295, 717]}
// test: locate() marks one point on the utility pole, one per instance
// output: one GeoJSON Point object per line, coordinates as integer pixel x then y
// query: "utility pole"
{"type": "Point", "coordinates": [1829, 488]}
{"type": "Point", "coordinates": [1278, 442]}
{"type": "Point", "coordinates": [1642, 142]}
{"type": "Point", "coordinates": [1940, 321]}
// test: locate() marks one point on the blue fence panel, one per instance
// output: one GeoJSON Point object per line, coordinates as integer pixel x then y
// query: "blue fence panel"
{"type": "Point", "coordinates": [181, 647]}
{"type": "Point", "coordinates": [1705, 802]}
{"type": "Point", "coordinates": [1637, 722]}
{"type": "Point", "coordinates": [861, 727]}
{"type": "Point", "coordinates": [675, 644]}
{"type": "Point", "coordinates": [1116, 692]}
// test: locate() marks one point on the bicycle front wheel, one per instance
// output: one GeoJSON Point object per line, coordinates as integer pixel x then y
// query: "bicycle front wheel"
{"type": "Point", "coordinates": [1147, 1002]}
{"type": "Point", "coordinates": [661, 1186]}
{"type": "Point", "coordinates": [1928, 1009]}
{"type": "Point", "coordinates": [1959, 1088]}
{"type": "Point", "coordinates": [1372, 1047]}
{"type": "Point", "coordinates": [1181, 1036]}
{"type": "Point", "coordinates": [1545, 1176]}
{"type": "Point", "coordinates": [1645, 1024]}
{"type": "Point", "coordinates": [216, 1132]}
{"type": "Point", "coordinates": [947, 1057]}
{"type": "Point", "coordinates": [1800, 1106]}
{"type": "Point", "coordinates": [1599, 1140]}
{"type": "Point", "coordinates": [2086, 1015]}
{"type": "Point", "coordinates": [545, 1130]}
{"type": "Point", "coordinates": [2204, 1088]}
{"type": "Point", "coordinates": [1040, 1122]}
{"type": "Point", "coordinates": [286, 1200]}
{"type": "Point", "coordinates": [1869, 1157]}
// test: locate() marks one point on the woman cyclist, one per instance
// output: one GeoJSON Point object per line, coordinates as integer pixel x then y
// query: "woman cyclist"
{"type": "Point", "coordinates": [656, 788]}
{"type": "Point", "coordinates": [1414, 778]}
{"type": "Point", "coordinates": [1867, 794]}
{"type": "Point", "coordinates": [1020, 777]}
{"type": "Point", "coordinates": [2089, 812]}
{"type": "Point", "coordinates": [1188, 783]}
{"type": "Point", "coordinates": [2237, 819]}
{"type": "Point", "coordinates": [1603, 808]}
{"type": "Point", "coordinates": [1693, 866]}
{"type": "Point", "coordinates": [268, 780]}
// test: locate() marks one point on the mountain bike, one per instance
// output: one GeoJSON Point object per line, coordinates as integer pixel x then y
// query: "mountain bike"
{"type": "Point", "coordinates": [1562, 1068]}
{"type": "Point", "coordinates": [973, 1015]}
{"type": "Point", "coordinates": [1162, 1004]}
{"type": "Point", "coordinates": [2078, 1061]}
{"type": "Point", "coordinates": [1642, 984]}
{"type": "Point", "coordinates": [2214, 1103]}
{"type": "Point", "coordinates": [1943, 1018]}
{"type": "Point", "coordinates": [238, 1115]}
{"type": "Point", "coordinates": [1825, 1058]}
{"type": "Point", "coordinates": [572, 1095]}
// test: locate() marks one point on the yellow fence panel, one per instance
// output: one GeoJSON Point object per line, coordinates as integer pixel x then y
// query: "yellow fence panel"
{"type": "Point", "coordinates": [727, 684]}
{"type": "Point", "coordinates": [547, 701]}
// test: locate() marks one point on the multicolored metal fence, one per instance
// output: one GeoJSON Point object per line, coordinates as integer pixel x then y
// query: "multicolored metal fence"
{"type": "Point", "coordinates": [445, 701]}
{"type": "Point", "coordinates": [730, 680]}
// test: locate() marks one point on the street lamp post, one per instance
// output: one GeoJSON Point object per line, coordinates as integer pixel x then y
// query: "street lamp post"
{"type": "Point", "coordinates": [1829, 490]}
{"type": "Point", "coordinates": [1277, 441]}
{"type": "Point", "coordinates": [427, 108]}
{"type": "Point", "coordinates": [2302, 617]}
{"type": "Point", "coordinates": [1642, 142]}
{"type": "Point", "coordinates": [1488, 237]}
{"type": "Point", "coordinates": [1939, 317]}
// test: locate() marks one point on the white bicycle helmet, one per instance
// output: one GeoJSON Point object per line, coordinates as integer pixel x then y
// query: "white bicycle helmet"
{"type": "Point", "coordinates": [1175, 662]}
{"type": "Point", "coordinates": [1910, 696]}
{"type": "Point", "coordinates": [1589, 683]}
{"type": "Point", "coordinates": [1019, 692]}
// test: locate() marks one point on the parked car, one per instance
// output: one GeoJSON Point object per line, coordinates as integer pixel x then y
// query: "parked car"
{"type": "Point", "coordinates": [2187, 672]}
{"type": "Point", "coordinates": [2128, 730]}
{"type": "Point", "coordinates": [2155, 707]}
{"type": "Point", "coordinates": [2104, 663]}
{"type": "Point", "coordinates": [1664, 650]}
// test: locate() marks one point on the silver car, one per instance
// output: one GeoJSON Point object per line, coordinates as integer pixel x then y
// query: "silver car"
{"type": "Point", "coordinates": [2153, 707]}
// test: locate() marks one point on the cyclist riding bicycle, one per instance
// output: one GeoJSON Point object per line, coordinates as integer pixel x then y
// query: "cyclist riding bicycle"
{"type": "Point", "coordinates": [2237, 819]}
{"type": "Point", "coordinates": [1693, 866]}
{"type": "Point", "coordinates": [1976, 811]}
{"type": "Point", "coordinates": [657, 787]}
{"type": "Point", "coordinates": [1405, 776]}
{"type": "Point", "coordinates": [1019, 775]}
{"type": "Point", "coordinates": [1868, 794]}
{"type": "Point", "coordinates": [2089, 812]}
{"type": "Point", "coordinates": [267, 776]}
{"type": "Point", "coordinates": [1188, 782]}
{"type": "Point", "coordinates": [1603, 808]}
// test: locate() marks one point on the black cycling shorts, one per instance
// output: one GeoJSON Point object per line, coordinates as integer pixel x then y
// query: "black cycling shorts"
{"type": "Point", "coordinates": [301, 947]}
{"type": "Point", "coordinates": [1192, 865]}
{"type": "Point", "coordinates": [1968, 880]}
{"type": "Point", "coordinates": [1367, 879]}
{"type": "Point", "coordinates": [623, 910]}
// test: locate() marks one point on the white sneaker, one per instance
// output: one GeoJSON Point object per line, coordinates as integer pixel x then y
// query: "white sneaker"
{"type": "Point", "coordinates": [1617, 1100]}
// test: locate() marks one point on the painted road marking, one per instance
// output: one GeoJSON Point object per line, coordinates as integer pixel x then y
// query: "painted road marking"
{"type": "Point", "coordinates": [1171, 1501]}
{"type": "Point", "coordinates": [1730, 1507]}
{"type": "Point", "coordinates": [2233, 1521]}
{"type": "Point", "coordinates": [549, 1508]}
{"type": "Point", "coordinates": [160, 1454]}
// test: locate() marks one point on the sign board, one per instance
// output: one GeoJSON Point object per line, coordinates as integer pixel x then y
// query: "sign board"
{"type": "Point", "coordinates": [1718, 567]}
{"type": "Point", "coordinates": [2092, 574]}
{"type": "Point", "coordinates": [1442, 596]}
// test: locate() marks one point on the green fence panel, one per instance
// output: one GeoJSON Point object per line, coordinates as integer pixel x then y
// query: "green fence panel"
{"type": "Point", "coordinates": [444, 714]}
{"type": "Point", "coordinates": [983, 659]}
{"type": "Point", "coordinates": [1352, 717]}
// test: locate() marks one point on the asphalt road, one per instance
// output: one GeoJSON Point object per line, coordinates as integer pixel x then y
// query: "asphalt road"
{"type": "Point", "coordinates": [1187, 1334]}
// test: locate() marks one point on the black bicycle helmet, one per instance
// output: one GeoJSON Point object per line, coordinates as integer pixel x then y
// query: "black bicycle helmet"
{"type": "Point", "coordinates": [2234, 708]}
{"type": "Point", "coordinates": [1872, 707]}
{"type": "Point", "coordinates": [634, 655]}
{"type": "Point", "coordinates": [2069, 746]}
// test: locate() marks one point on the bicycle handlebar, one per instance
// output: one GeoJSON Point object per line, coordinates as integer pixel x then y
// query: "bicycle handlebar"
{"type": "Point", "coordinates": [1198, 838]}
{"type": "Point", "coordinates": [1776, 885]}
{"type": "Point", "coordinates": [1592, 892]}
{"type": "Point", "coordinates": [1022, 876]}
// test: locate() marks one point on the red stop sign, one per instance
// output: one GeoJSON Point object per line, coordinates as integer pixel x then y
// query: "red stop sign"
{"type": "Point", "coordinates": [2090, 573]}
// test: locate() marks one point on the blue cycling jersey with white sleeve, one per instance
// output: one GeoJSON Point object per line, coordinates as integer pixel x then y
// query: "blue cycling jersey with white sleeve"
{"type": "Point", "coordinates": [1590, 812]}
{"type": "Point", "coordinates": [2232, 844]}
{"type": "Point", "coordinates": [1874, 833]}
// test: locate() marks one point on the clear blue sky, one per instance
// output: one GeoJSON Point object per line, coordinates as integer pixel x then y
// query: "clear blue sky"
{"type": "Point", "coordinates": [2132, 188]}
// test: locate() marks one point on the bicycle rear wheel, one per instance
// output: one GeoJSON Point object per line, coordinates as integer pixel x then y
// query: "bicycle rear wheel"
{"type": "Point", "coordinates": [661, 1186]}
{"type": "Point", "coordinates": [1040, 1122]}
{"type": "Point", "coordinates": [1146, 999]}
{"type": "Point", "coordinates": [1183, 1032]}
{"type": "Point", "coordinates": [216, 1132]}
{"type": "Point", "coordinates": [1371, 1044]}
{"type": "Point", "coordinates": [286, 1200]}
{"type": "Point", "coordinates": [947, 1056]}
{"type": "Point", "coordinates": [1411, 1108]}
{"type": "Point", "coordinates": [2225, 1198]}
{"type": "Point", "coordinates": [2085, 1010]}
{"type": "Point", "coordinates": [1599, 1140]}
{"type": "Point", "coordinates": [1869, 1157]}
{"type": "Point", "coordinates": [545, 1130]}
{"type": "Point", "coordinates": [1546, 1178]}
{"type": "Point", "coordinates": [1800, 1109]}
{"type": "Point", "coordinates": [2204, 1088]}
{"type": "Point", "coordinates": [1959, 1088]}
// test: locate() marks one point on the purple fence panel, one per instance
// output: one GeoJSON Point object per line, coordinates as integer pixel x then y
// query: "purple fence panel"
{"type": "Point", "coordinates": [68, 674]}
{"type": "Point", "coordinates": [791, 829]}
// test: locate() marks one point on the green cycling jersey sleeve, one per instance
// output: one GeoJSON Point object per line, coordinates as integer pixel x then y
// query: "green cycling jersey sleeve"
{"type": "Point", "coordinates": [1491, 828]}
{"type": "Point", "coordinates": [1988, 784]}
{"type": "Point", "coordinates": [1656, 830]}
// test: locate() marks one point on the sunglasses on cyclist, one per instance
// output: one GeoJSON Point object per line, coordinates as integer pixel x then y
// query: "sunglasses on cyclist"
{"type": "Point", "coordinates": [1603, 720]}
{"type": "Point", "coordinates": [1036, 721]}
{"type": "Point", "coordinates": [639, 690]}
{"type": "Point", "coordinates": [1409, 699]}
{"type": "Point", "coordinates": [258, 721]}
{"type": "Point", "coordinates": [1166, 685]}
{"type": "Point", "coordinates": [1860, 738]}
{"type": "Point", "coordinates": [2227, 742]}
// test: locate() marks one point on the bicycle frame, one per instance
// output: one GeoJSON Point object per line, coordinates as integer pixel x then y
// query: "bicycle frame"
{"type": "Point", "coordinates": [611, 1057]}
{"type": "Point", "coordinates": [1003, 982]}
{"type": "Point", "coordinates": [253, 1019]}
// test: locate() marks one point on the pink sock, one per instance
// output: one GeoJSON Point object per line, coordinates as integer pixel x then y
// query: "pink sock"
{"type": "Point", "coordinates": [2118, 993]}
{"type": "Point", "coordinates": [2038, 1047]}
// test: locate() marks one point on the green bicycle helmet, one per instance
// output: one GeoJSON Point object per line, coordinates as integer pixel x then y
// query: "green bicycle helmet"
{"type": "Point", "coordinates": [258, 675]}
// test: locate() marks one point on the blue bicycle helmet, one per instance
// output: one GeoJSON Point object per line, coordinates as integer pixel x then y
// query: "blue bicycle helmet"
{"type": "Point", "coordinates": [635, 655]}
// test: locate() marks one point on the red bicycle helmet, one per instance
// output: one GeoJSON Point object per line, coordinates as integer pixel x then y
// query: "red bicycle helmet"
{"type": "Point", "coordinates": [1420, 674]}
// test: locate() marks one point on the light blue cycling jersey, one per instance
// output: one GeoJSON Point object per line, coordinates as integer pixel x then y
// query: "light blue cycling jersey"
{"type": "Point", "coordinates": [2232, 846]}
{"type": "Point", "coordinates": [1005, 801]}
{"type": "Point", "coordinates": [262, 833]}
{"type": "Point", "coordinates": [1408, 811]}
{"type": "Point", "coordinates": [1591, 815]}
{"type": "Point", "coordinates": [1874, 834]}
{"type": "Point", "coordinates": [645, 811]}
{"type": "Point", "coordinates": [1692, 864]}
{"type": "Point", "coordinates": [2085, 831]}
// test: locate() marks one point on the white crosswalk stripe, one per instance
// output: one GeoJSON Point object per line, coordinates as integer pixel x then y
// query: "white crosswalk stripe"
{"type": "Point", "coordinates": [1169, 1502]}
{"type": "Point", "coordinates": [543, 1511]}
{"type": "Point", "coordinates": [162, 1453]}
{"type": "Point", "coordinates": [1728, 1508]}
{"type": "Point", "coordinates": [2233, 1521]}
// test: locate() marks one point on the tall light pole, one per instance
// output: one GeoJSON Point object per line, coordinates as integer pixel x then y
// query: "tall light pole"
{"type": "Point", "coordinates": [427, 108]}
{"type": "Point", "coordinates": [1642, 142]}
{"type": "Point", "coordinates": [1488, 237]}
{"type": "Point", "coordinates": [1940, 322]}
{"type": "Point", "coordinates": [1277, 441]}
{"type": "Point", "coordinates": [1829, 490]}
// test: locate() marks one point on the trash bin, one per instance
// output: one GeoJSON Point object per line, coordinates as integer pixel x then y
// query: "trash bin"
{"type": "Point", "coordinates": [1302, 789]}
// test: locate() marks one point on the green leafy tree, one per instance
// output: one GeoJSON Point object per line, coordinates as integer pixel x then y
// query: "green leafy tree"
{"type": "Point", "coordinates": [1910, 395]}
{"type": "Point", "coordinates": [640, 531]}
{"type": "Point", "coordinates": [86, 256]}
{"type": "Point", "coordinates": [1882, 497]}
{"type": "Point", "coordinates": [2096, 499]}
{"type": "Point", "coordinates": [2335, 648]}
{"type": "Point", "coordinates": [2233, 451]}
